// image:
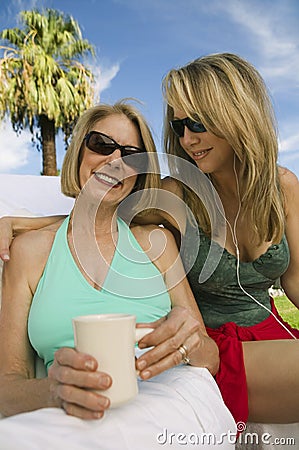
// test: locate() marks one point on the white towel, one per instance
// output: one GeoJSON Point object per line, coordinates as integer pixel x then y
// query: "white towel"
{"type": "Point", "coordinates": [173, 410]}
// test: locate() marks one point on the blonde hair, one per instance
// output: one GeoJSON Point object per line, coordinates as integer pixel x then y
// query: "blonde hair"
{"type": "Point", "coordinates": [229, 96]}
{"type": "Point", "coordinates": [70, 183]}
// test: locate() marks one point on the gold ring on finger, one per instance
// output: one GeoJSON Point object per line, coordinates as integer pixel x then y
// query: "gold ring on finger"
{"type": "Point", "coordinates": [184, 352]}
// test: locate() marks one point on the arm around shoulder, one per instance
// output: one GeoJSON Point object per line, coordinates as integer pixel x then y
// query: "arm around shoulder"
{"type": "Point", "coordinates": [11, 226]}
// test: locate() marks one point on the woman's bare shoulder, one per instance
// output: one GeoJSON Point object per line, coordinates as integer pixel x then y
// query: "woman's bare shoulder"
{"type": "Point", "coordinates": [36, 240]}
{"type": "Point", "coordinates": [153, 238]}
{"type": "Point", "coordinates": [290, 187]}
{"type": "Point", "coordinates": [159, 244]}
{"type": "Point", "coordinates": [289, 182]}
{"type": "Point", "coordinates": [287, 178]}
{"type": "Point", "coordinates": [29, 251]}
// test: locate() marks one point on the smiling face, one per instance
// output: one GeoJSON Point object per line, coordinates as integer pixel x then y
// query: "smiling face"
{"type": "Point", "coordinates": [108, 173]}
{"type": "Point", "coordinates": [211, 153]}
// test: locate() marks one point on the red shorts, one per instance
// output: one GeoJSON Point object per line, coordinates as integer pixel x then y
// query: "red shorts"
{"type": "Point", "coordinates": [231, 377]}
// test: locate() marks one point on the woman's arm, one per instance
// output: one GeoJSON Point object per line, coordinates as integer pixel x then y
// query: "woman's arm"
{"type": "Point", "coordinates": [72, 373]}
{"type": "Point", "coordinates": [13, 226]}
{"type": "Point", "coordinates": [290, 279]}
{"type": "Point", "coordinates": [170, 212]}
{"type": "Point", "coordinates": [183, 325]}
{"type": "Point", "coordinates": [19, 391]}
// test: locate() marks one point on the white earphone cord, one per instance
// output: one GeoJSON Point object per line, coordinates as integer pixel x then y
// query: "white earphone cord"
{"type": "Point", "coordinates": [235, 241]}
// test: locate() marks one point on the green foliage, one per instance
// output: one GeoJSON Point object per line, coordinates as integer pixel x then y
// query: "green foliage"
{"type": "Point", "coordinates": [42, 72]}
{"type": "Point", "coordinates": [287, 310]}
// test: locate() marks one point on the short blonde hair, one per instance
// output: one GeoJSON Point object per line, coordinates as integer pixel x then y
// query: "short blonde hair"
{"type": "Point", "coordinates": [70, 182]}
{"type": "Point", "coordinates": [228, 95]}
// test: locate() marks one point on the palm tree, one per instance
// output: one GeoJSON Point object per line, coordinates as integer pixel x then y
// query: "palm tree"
{"type": "Point", "coordinates": [44, 85]}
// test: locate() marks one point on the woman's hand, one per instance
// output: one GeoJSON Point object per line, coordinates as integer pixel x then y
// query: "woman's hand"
{"type": "Point", "coordinates": [11, 226]}
{"type": "Point", "coordinates": [179, 328]}
{"type": "Point", "coordinates": [6, 236]}
{"type": "Point", "coordinates": [74, 375]}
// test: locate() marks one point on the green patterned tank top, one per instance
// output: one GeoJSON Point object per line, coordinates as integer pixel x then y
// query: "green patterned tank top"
{"type": "Point", "coordinates": [219, 297]}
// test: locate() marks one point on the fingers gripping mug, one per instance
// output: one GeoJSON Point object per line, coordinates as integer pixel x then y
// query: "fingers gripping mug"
{"type": "Point", "coordinates": [111, 338]}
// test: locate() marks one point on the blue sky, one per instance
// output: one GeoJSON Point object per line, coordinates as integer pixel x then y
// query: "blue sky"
{"type": "Point", "coordinates": [138, 41]}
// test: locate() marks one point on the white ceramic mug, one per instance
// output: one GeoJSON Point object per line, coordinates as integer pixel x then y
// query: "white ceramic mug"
{"type": "Point", "coordinates": [111, 338]}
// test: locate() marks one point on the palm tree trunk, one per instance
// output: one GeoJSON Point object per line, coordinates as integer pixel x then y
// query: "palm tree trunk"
{"type": "Point", "coordinates": [47, 128]}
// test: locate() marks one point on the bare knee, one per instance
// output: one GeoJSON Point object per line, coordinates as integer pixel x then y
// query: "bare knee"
{"type": "Point", "coordinates": [272, 369]}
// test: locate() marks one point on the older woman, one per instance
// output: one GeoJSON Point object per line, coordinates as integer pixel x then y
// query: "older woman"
{"type": "Point", "coordinates": [111, 155]}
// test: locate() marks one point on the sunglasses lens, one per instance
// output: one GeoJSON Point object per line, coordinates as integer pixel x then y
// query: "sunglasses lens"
{"type": "Point", "coordinates": [177, 127]}
{"type": "Point", "coordinates": [137, 160]}
{"type": "Point", "coordinates": [103, 145]}
{"type": "Point", "coordinates": [196, 127]}
{"type": "Point", "coordinates": [98, 143]}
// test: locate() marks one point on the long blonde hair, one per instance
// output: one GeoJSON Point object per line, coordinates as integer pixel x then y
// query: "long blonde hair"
{"type": "Point", "coordinates": [229, 96]}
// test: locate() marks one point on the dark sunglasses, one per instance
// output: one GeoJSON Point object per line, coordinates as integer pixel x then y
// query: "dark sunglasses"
{"type": "Point", "coordinates": [178, 126]}
{"type": "Point", "coordinates": [104, 145]}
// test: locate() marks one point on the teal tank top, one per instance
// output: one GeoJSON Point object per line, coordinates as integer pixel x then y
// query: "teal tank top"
{"type": "Point", "coordinates": [220, 298]}
{"type": "Point", "coordinates": [133, 285]}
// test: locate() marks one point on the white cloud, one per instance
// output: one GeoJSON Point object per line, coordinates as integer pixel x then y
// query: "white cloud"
{"type": "Point", "coordinates": [271, 29]}
{"type": "Point", "coordinates": [289, 135]}
{"type": "Point", "coordinates": [103, 77]}
{"type": "Point", "coordinates": [271, 26]}
{"type": "Point", "coordinates": [290, 160]}
{"type": "Point", "coordinates": [14, 150]}
{"type": "Point", "coordinates": [286, 158]}
{"type": "Point", "coordinates": [290, 143]}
